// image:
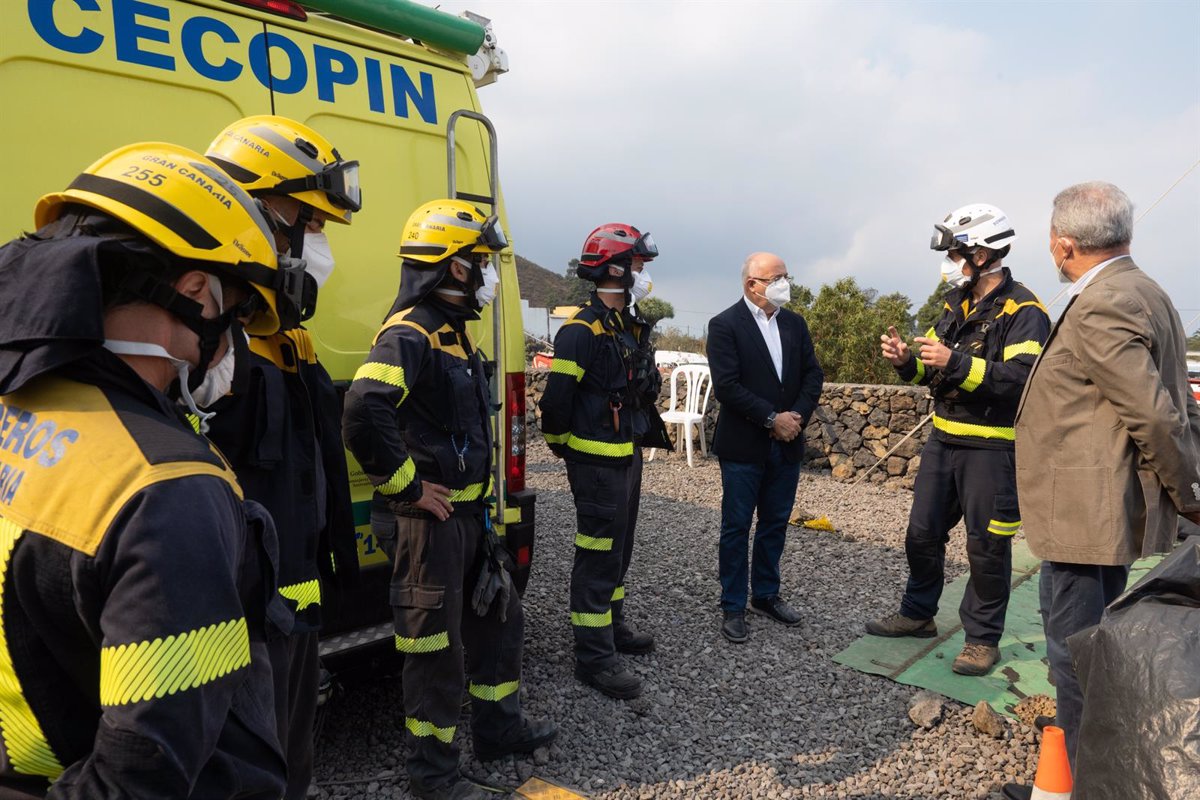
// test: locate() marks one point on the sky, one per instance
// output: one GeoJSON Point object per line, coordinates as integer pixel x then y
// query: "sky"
{"type": "Point", "coordinates": [836, 134]}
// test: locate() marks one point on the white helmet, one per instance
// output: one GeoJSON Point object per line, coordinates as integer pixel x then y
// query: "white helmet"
{"type": "Point", "coordinates": [973, 225]}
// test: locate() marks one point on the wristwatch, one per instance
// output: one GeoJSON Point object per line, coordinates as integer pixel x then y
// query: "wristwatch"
{"type": "Point", "coordinates": [771, 419]}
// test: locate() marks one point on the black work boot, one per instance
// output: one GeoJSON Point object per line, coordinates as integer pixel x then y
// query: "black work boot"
{"type": "Point", "coordinates": [897, 624]}
{"type": "Point", "coordinates": [627, 640]}
{"type": "Point", "coordinates": [1015, 791]}
{"type": "Point", "coordinates": [460, 789]}
{"type": "Point", "coordinates": [616, 681]}
{"type": "Point", "coordinates": [534, 733]}
{"type": "Point", "coordinates": [734, 627]}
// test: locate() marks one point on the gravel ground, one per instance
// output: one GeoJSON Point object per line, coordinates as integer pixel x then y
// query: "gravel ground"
{"type": "Point", "coordinates": [773, 718]}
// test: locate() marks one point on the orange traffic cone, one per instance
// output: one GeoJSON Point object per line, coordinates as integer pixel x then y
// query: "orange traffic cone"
{"type": "Point", "coordinates": [1053, 779]}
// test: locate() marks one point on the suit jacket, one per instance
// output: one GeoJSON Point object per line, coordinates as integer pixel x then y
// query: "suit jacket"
{"type": "Point", "coordinates": [1108, 433]}
{"type": "Point", "coordinates": [747, 387]}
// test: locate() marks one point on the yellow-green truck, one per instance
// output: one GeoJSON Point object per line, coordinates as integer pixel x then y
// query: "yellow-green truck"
{"type": "Point", "coordinates": [392, 83]}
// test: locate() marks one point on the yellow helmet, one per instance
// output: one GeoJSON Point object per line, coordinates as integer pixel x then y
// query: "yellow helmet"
{"type": "Point", "coordinates": [443, 228]}
{"type": "Point", "coordinates": [186, 205]}
{"type": "Point", "coordinates": [277, 155]}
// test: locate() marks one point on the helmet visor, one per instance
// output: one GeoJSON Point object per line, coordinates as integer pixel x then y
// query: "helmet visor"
{"type": "Point", "coordinates": [644, 248]}
{"type": "Point", "coordinates": [339, 182]}
{"type": "Point", "coordinates": [491, 235]}
{"type": "Point", "coordinates": [944, 238]}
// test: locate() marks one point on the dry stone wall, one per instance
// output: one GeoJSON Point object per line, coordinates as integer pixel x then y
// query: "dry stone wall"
{"type": "Point", "coordinates": [854, 426]}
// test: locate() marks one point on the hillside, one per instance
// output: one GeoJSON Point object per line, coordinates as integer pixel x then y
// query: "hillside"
{"type": "Point", "coordinates": [541, 287]}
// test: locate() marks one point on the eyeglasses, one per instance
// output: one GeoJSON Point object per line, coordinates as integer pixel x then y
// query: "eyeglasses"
{"type": "Point", "coordinates": [772, 279]}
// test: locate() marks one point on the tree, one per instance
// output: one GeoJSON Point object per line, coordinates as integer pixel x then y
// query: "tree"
{"type": "Point", "coordinates": [1193, 342]}
{"type": "Point", "coordinates": [846, 322]}
{"type": "Point", "coordinates": [932, 309]}
{"type": "Point", "coordinates": [654, 309]}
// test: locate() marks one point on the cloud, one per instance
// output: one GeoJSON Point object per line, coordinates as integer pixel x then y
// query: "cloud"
{"type": "Point", "coordinates": [834, 134]}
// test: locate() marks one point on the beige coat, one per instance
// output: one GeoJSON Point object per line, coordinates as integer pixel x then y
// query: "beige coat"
{"type": "Point", "coordinates": [1108, 433]}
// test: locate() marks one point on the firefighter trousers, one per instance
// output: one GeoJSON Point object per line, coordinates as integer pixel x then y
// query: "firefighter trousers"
{"type": "Point", "coordinates": [606, 509]}
{"type": "Point", "coordinates": [979, 487]}
{"type": "Point", "coordinates": [295, 665]}
{"type": "Point", "coordinates": [435, 568]}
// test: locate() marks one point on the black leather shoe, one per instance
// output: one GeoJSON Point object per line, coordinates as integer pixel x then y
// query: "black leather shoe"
{"type": "Point", "coordinates": [615, 681]}
{"type": "Point", "coordinates": [1041, 721]}
{"type": "Point", "coordinates": [534, 733]}
{"type": "Point", "coordinates": [1015, 791]}
{"type": "Point", "coordinates": [734, 627]}
{"type": "Point", "coordinates": [776, 609]}
{"type": "Point", "coordinates": [629, 641]}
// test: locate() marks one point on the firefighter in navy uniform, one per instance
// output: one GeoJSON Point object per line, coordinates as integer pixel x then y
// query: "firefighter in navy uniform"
{"type": "Point", "coordinates": [136, 584]}
{"type": "Point", "coordinates": [598, 411]}
{"type": "Point", "coordinates": [282, 431]}
{"type": "Point", "coordinates": [417, 420]}
{"type": "Point", "coordinates": [975, 360]}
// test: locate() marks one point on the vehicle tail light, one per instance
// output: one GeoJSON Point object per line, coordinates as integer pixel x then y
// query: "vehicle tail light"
{"type": "Point", "coordinates": [514, 406]}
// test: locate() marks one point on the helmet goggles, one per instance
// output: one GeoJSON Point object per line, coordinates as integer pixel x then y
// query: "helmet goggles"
{"type": "Point", "coordinates": [339, 182]}
{"type": "Point", "coordinates": [944, 238]}
{"type": "Point", "coordinates": [644, 248]}
{"type": "Point", "coordinates": [491, 234]}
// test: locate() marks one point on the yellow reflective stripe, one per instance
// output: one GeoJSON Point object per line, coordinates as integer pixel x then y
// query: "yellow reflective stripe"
{"type": "Point", "coordinates": [1030, 348]}
{"type": "Point", "coordinates": [557, 438]}
{"type": "Point", "coordinates": [130, 673]}
{"type": "Point", "coordinates": [583, 620]}
{"type": "Point", "coordinates": [593, 542]}
{"type": "Point", "coordinates": [420, 728]}
{"type": "Point", "coordinates": [194, 421]}
{"type": "Point", "coordinates": [390, 374]}
{"type": "Point", "coordinates": [1003, 528]}
{"type": "Point", "coordinates": [565, 366]}
{"type": "Point", "coordinates": [1012, 307]}
{"type": "Point", "coordinates": [470, 492]}
{"type": "Point", "coordinates": [24, 740]}
{"type": "Point", "coordinates": [423, 644]}
{"type": "Point", "coordinates": [618, 594]}
{"type": "Point", "coordinates": [400, 479]}
{"type": "Point", "coordinates": [592, 447]}
{"type": "Point", "coordinates": [920, 376]}
{"type": "Point", "coordinates": [975, 376]}
{"type": "Point", "coordinates": [495, 693]}
{"type": "Point", "coordinates": [303, 594]}
{"type": "Point", "coordinates": [969, 429]}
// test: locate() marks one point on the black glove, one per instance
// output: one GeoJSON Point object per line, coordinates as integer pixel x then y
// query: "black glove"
{"type": "Point", "coordinates": [494, 579]}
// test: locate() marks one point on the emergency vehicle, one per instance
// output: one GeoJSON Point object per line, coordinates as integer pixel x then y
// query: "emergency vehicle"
{"type": "Point", "coordinates": [392, 82]}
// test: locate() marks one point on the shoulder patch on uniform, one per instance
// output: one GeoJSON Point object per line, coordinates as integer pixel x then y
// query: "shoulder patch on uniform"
{"type": "Point", "coordinates": [70, 467]}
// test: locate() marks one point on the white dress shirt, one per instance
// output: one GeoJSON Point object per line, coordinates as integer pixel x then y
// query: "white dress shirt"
{"type": "Point", "coordinates": [769, 326]}
{"type": "Point", "coordinates": [1086, 278]}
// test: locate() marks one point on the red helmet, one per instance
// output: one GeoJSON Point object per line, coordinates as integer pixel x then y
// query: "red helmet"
{"type": "Point", "coordinates": [614, 242]}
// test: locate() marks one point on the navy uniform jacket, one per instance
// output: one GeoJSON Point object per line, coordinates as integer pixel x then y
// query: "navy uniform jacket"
{"type": "Point", "coordinates": [135, 586]}
{"type": "Point", "coordinates": [747, 387]}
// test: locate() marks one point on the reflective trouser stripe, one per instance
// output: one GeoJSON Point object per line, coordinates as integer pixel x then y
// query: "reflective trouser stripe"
{"type": "Point", "coordinates": [423, 644]}
{"type": "Point", "coordinates": [1029, 348]}
{"type": "Point", "coordinates": [618, 594]}
{"type": "Point", "coordinates": [495, 693]}
{"type": "Point", "coordinates": [303, 594]}
{"type": "Point", "coordinates": [567, 367]}
{"type": "Point", "coordinates": [970, 429]}
{"type": "Point", "coordinates": [26, 745]}
{"type": "Point", "coordinates": [582, 620]}
{"type": "Point", "coordinates": [391, 374]}
{"type": "Point", "coordinates": [130, 673]}
{"type": "Point", "coordinates": [420, 728]}
{"type": "Point", "coordinates": [1003, 528]}
{"type": "Point", "coordinates": [593, 542]}
{"type": "Point", "coordinates": [400, 479]}
{"type": "Point", "coordinates": [975, 376]}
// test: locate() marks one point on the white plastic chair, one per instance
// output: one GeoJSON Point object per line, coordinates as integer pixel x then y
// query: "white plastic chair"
{"type": "Point", "coordinates": [699, 387]}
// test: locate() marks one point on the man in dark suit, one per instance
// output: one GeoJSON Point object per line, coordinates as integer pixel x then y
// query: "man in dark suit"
{"type": "Point", "coordinates": [768, 381]}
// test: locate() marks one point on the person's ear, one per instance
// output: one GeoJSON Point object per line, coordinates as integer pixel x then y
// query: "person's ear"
{"type": "Point", "coordinates": [1067, 247]}
{"type": "Point", "coordinates": [458, 271]}
{"type": "Point", "coordinates": [193, 285]}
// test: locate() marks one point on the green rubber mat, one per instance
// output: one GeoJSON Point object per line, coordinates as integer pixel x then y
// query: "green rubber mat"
{"type": "Point", "coordinates": [925, 663]}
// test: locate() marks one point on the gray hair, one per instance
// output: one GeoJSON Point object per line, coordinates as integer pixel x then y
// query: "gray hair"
{"type": "Point", "coordinates": [1097, 215]}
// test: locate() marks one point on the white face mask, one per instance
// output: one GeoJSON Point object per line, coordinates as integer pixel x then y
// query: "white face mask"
{"type": "Point", "coordinates": [778, 292]}
{"type": "Point", "coordinates": [642, 286]}
{"type": "Point", "coordinates": [487, 293]}
{"type": "Point", "coordinates": [219, 378]}
{"type": "Point", "coordinates": [1062, 276]}
{"type": "Point", "coordinates": [318, 257]}
{"type": "Point", "coordinates": [952, 272]}
{"type": "Point", "coordinates": [182, 369]}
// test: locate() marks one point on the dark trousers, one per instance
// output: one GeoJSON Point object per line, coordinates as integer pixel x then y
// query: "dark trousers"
{"type": "Point", "coordinates": [979, 487]}
{"type": "Point", "coordinates": [606, 509]}
{"type": "Point", "coordinates": [1073, 597]}
{"type": "Point", "coordinates": [295, 665]}
{"type": "Point", "coordinates": [435, 569]}
{"type": "Point", "coordinates": [769, 489]}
